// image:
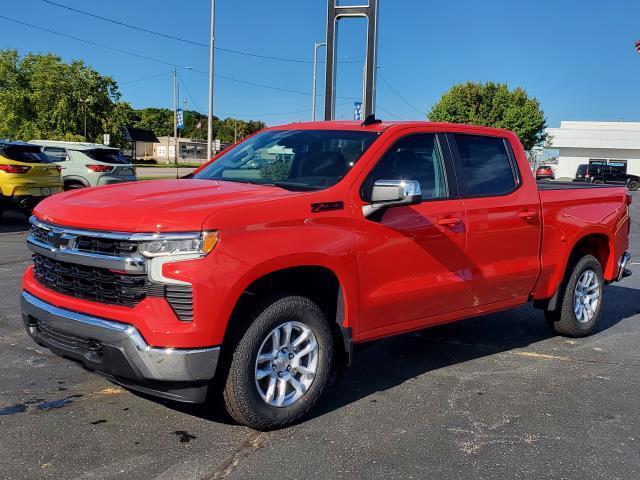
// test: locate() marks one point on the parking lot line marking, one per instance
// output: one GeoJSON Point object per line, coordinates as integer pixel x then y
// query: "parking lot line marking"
{"type": "Point", "coordinates": [541, 355]}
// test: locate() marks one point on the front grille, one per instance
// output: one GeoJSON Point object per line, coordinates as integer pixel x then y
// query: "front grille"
{"type": "Point", "coordinates": [105, 286]}
{"type": "Point", "coordinates": [91, 283]}
{"type": "Point", "coordinates": [90, 244]}
{"type": "Point", "coordinates": [106, 246]}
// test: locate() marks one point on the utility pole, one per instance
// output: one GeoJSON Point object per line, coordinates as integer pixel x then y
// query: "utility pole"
{"type": "Point", "coordinates": [85, 101]}
{"type": "Point", "coordinates": [315, 77]}
{"type": "Point", "coordinates": [175, 119]}
{"type": "Point", "coordinates": [210, 113]}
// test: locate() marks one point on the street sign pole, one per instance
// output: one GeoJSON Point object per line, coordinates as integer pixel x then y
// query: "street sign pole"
{"type": "Point", "coordinates": [210, 111]}
{"type": "Point", "coordinates": [334, 14]}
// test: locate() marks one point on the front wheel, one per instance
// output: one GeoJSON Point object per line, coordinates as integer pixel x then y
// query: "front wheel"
{"type": "Point", "coordinates": [280, 366]}
{"type": "Point", "coordinates": [581, 300]}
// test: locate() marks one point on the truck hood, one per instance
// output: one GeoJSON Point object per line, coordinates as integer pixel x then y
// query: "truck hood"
{"type": "Point", "coordinates": [151, 206]}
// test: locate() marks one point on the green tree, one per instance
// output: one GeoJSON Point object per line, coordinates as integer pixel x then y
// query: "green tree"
{"type": "Point", "coordinates": [43, 97]}
{"type": "Point", "coordinates": [494, 105]}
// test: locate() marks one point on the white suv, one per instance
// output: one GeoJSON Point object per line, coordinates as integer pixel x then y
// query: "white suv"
{"type": "Point", "coordinates": [88, 164]}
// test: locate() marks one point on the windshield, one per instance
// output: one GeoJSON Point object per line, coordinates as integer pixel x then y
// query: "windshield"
{"type": "Point", "coordinates": [24, 153]}
{"type": "Point", "coordinates": [292, 159]}
{"type": "Point", "coordinates": [106, 155]}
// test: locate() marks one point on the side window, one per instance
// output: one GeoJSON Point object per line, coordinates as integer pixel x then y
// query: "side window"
{"type": "Point", "coordinates": [415, 157]}
{"type": "Point", "coordinates": [486, 168]}
{"type": "Point", "coordinates": [55, 154]}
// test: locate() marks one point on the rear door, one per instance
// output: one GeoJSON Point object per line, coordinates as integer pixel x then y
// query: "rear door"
{"type": "Point", "coordinates": [503, 218]}
{"type": "Point", "coordinates": [412, 261]}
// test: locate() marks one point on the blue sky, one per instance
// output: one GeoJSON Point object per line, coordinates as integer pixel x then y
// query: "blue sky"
{"type": "Point", "coordinates": [576, 56]}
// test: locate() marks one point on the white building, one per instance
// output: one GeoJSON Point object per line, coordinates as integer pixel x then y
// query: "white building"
{"type": "Point", "coordinates": [583, 142]}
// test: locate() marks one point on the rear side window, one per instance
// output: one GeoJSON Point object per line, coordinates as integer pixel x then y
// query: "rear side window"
{"type": "Point", "coordinates": [486, 167]}
{"type": "Point", "coordinates": [106, 155]}
{"type": "Point", "coordinates": [24, 153]}
{"type": "Point", "coordinates": [56, 154]}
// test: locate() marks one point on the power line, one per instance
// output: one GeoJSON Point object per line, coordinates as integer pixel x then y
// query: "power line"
{"type": "Point", "coordinates": [184, 40]}
{"type": "Point", "coordinates": [95, 44]}
{"type": "Point", "coordinates": [195, 104]}
{"type": "Point", "coordinates": [398, 95]}
{"type": "Point", "coordinates": [157, 60]}
{"type": "Point", "coordinates": [308, 110]}
{"type": "Point", "coordinates": [388, 112]}
{"type": "Point", "coordinates": [110, 20]}
{"type": "Point", "coordinates": [145, 78]}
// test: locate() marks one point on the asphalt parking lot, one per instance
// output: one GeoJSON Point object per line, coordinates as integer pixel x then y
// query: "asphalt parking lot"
{"type": "Point", "coordinates": [495, 397]}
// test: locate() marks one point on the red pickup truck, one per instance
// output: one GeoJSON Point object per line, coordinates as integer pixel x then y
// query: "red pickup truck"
{"type": "Point", "coordinates": [259, 273]}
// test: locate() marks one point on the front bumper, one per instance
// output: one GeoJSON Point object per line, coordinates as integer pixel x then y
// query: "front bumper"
{"type": "Point", "coordinates": [118, 351]}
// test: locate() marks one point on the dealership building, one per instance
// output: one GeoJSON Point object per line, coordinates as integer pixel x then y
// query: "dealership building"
{"type": "Point", "coordinates": [615, 143]}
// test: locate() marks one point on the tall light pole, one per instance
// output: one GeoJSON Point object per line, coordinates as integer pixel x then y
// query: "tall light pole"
{"type": "Point", "coordinates": [175, 118]}
{"type": "Point", "coordinates": [210, 113]}
{"type": "Point", "coordinates": [316, 46]}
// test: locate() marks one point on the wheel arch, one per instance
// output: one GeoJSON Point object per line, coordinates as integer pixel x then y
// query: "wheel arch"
{"type": "Point", "coordinates": [317, 282]}
{"type": "Point", "coordinates": [597, 243]}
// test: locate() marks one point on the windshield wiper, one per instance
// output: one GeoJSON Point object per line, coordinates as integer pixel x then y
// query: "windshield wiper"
{"type": "Point", "coordinates": [296, 187]}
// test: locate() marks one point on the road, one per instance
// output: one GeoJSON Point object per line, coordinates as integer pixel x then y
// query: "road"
{"type": "Point", "coordinates": [495, 397]}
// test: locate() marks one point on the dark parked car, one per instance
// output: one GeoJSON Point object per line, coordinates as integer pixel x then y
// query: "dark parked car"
{"type": "Point", "coordinates": [601, 173]}
{"type": "Point", "coordinates": [544, 172]}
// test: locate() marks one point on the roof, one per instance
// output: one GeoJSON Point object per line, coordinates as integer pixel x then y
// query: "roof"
{"type": "Point", "coordinates": [132, 134]}
{"type": "Point", "coordinates": [9, 143]}
{"type": "Point", "coordinates": [384, 125]}
{"type": "Point", "coordinates": [70, 145]}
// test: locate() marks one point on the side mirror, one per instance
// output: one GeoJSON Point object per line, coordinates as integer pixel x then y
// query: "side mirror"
{"type": "Point", "coordinates": [393, 193]}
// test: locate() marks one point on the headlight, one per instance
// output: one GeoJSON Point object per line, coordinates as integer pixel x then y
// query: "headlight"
{"type": "Point", "coordinates": [200, 243]}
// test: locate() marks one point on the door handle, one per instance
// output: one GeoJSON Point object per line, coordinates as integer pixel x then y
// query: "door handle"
{"type": "Point", "coordinates": [450, 222]}
{"type": "Point", "coordinates": [528, 214]}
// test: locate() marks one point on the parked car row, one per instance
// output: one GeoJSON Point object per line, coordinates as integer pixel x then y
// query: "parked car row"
{"type": "Point", "coordinates": [600, 173]}
{"type": "Point", "coordinates": [32, 171]}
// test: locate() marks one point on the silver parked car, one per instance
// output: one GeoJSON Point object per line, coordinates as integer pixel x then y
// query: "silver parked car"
{"type": "Point", "coordinates": [88, 164]}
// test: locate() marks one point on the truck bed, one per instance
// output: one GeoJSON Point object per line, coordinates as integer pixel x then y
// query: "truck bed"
{"type": "Point", "coordinates": [543, 185]}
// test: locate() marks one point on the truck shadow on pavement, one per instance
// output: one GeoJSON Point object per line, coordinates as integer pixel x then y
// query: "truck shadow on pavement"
{"type": "Point", "coordinates": [385, 364]}
{"type": "Point", "coordinates": [13, 222]}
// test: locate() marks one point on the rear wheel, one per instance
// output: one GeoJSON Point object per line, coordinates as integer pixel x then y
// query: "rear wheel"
{"type": "Point", "coordinates": [597, 181]}
{"type": "Point", "coordinates": [581, 300]}
{"type": "Point", "coordinates": [280, 366]}
{"type": "Point", "coordinates": [634, 185]}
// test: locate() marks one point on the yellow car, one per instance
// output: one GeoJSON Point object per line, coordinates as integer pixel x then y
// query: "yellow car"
{"type": "Point", "coordinates": [26, 176]}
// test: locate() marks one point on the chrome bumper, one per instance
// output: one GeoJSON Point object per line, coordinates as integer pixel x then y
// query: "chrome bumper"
{"type": "Point", "coordinates": [118, 351]}
{"type": "Point", "coordinates": [622, 269]}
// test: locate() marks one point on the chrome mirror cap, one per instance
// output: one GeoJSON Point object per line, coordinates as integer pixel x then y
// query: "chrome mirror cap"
{"type": "Point", "coordinates": [393, 193]}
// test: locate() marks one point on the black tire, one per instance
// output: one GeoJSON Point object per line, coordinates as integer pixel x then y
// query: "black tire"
{"type": "Point", "coordinates": [242, 399]}
{"type": "Point", "coordinates": [634, 185]}
{"type": "Point", "coordinates": [563, 320]}
{"type": "Point", "coordinates": [597, 181]}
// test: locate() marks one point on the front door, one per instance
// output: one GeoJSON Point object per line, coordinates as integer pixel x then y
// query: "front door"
{"type": "Point", "coordinates": [412, 260]}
